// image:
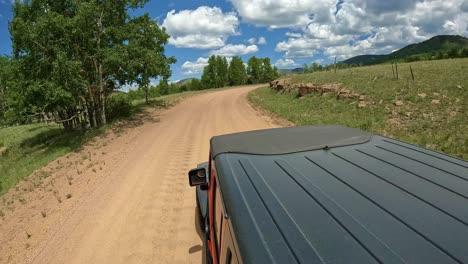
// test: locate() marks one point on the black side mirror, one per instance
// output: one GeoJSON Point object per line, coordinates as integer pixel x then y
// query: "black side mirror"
{"type": "Point", "coordinates": [197, 176]}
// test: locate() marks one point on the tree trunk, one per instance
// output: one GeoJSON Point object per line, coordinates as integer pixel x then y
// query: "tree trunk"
{"type": "Point", "coordinates": [86, 114]}
{"type": "Point", "coordinates": [91, 104]}
{"type": "Point", "coordinates": [146, 94]}
{"type": "Point", "coordinates": [102, 97]}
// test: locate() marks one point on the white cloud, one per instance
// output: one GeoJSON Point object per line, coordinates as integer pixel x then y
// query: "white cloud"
{"type": "Point", "coordinates": [194, 67]}
{"type": "Point", "coordinates": [297, 48]}
{"type": "Point", "coordinates": [262, 41]}
{"type": "Point", "coordinates": [202, 28]}
{"type": "Point", "coordinates": [282, 63]}
{"type": "Point", "coordinates": [128, 87]}
{"type": "Point", "coordinates": [234, 50]}
{"type": "Point", "coordinates": [293, 35]}
{"type": "Point", "coordinates": [284, 13]}
{"type": "Point", "coordinates": [319, 61]}
{"type": "Point", "coordinates": [251, 41]}
{"type": "Point", "coordinates": [356, 26]}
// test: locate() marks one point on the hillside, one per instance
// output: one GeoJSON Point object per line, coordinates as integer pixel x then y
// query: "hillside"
{"type": "Point", "coordinates": [290, 71]}
{"type": "Point", "coordinates": [429, 111]}
{"type": "Point", "coordinates": [364, 59]}
{"type": "Point", "coordinates": [184, 81]}
{"type": "Point", "coordinates": [427, 48]}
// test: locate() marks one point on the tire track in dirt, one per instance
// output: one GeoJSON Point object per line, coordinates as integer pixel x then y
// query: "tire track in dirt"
{"type": "Point", "coordinates": [139, 207]}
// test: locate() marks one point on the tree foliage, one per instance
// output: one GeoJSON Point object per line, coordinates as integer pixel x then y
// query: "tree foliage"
{"type": "Point", "coordinates": [259, 70]}
{"type": "Point", "coordinates": [237, 73]}
{"type": "Point", "coordinates": [220, 73]}
{"type": "Point", "coordinates": [6, 81]}
{"type": "Point", "coordinates": [71, 55]}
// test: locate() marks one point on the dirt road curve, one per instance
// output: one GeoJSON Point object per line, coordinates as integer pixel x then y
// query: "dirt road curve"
{"type": "Point", "coordinates": [130, 201]}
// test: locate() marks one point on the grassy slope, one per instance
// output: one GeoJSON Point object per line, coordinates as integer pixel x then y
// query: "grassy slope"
{"type": "Point", "coordinates": [442, 127]}
{"type": "Point", "coordinates": [30, 147]}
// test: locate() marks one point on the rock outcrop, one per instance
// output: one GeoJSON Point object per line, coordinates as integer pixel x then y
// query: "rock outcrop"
{"type": "Point", "coordinates": [302, 89]}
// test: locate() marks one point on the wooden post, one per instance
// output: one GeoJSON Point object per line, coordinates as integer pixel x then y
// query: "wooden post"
{"type": "Point", "coordinates": [393, 71]}
{"type": "Point", "coordinates": [335, 64]}
{"type": "Point", "coordinates": [411, 70]}
{"type": "Point", "coordinates": [396, 69]}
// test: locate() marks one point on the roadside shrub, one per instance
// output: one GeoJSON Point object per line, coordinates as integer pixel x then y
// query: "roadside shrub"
{"type": "Point", "coordinates": [118, 106]}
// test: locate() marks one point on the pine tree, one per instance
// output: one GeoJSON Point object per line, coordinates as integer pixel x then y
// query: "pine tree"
{"type": "Point", "coordinates": [209, 77]}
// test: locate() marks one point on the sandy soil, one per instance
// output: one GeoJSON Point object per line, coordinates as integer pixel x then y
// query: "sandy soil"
{"type": "Point", "coordinates": [124, 198]}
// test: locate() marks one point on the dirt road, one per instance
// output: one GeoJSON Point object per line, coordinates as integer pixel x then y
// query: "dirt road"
{"type": "Point", "coordinates": [128, 201]}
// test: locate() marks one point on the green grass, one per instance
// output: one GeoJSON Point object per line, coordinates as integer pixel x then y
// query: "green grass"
{"type": "Point", "coordinates": [442, 127]}
{"type": "Point", "coordinates": [30, 147]}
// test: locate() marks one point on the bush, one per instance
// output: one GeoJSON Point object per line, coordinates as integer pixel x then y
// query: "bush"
{"type": "Point", "coordinates": [136, 94]}
{"type": "Point", "coordinates": [118, 106]}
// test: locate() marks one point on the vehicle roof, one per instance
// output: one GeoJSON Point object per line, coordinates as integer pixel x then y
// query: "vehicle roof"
{"type": "Point", "coordinates": [379, 201]}
{"type": "Point", "coordinates": [287, 140]}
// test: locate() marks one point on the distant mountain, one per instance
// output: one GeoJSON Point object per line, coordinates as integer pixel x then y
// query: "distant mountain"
{"type": "Point", "coordinates": [184, 81]}
{"type": "Point", "coordinates": [442, 43]}
{"type": "Point", "coordinates": [290, 71]}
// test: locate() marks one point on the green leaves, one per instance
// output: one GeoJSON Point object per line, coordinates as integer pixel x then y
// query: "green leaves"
{"type": "Point", "coordinates": [237, 73]}
{"type": "Point", "coordinates": [219, 74]}
{"type": "Point", "coordinates": [73, 54]}
{"type": "Point", "coordinates": [259, 70]}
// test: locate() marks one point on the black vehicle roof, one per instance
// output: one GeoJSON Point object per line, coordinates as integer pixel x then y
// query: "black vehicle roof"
{"type": "Point", "coordinates": [379, 201]}
{"type": "Point", "coordinates": [287, 140]}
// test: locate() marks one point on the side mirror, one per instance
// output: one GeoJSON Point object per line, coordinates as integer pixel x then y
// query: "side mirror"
{"type": "Point", "coordinates": [197, 176]}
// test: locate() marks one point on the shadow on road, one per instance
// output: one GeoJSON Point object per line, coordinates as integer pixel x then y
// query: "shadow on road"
{"type": "Point", "coordinates": [197, 248]}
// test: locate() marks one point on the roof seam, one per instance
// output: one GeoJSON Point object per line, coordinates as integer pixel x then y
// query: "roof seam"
{"type": "Point", "coordinates": [390, 213]}
{"type": "Point", "coordinates": [269, 212]}
{"type": "Point", "coordinates": [430, 154]}
{"type": "Point", "coordinates": [402, 189]}
{"type": "Point", "coordinates": [399, 154]}
{"type": "Point", "coordinates": [249, 210]}
{"type": "Point", "coordinates": [410, 172]}
{"type": "Point", "coordinates": [333, 216]}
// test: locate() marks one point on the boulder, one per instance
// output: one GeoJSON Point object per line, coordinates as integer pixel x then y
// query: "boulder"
{"type": "Point", "coordinates": [2, 150]}
{"type": "Point", "coordinates": [362, 104]}
{"type": "Point", "coordinates": [281, 84]}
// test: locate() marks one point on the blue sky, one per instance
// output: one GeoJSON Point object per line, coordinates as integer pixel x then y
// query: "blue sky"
{"type": "Point", "coordinates": [291, 33]}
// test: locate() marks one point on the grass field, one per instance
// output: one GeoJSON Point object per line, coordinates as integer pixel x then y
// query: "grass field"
{"type": "Point", "coordinates": [26, 148]}
{"type": "Point", "coordinates": [430, 112]}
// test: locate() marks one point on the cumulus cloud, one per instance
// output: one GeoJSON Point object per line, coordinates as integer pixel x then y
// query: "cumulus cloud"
{"type": "Point", "coordinates": [293, 35]}
{"type": "Point", "coordinates": [234, 50]}
{"type": "Point", "coordinates": [282, 63]}
{"type": "Point", "coordinates": [194, 67]}
{"type": "Point", "coordinates": [356, 26]}
{"type": "Point", "coordinates": [319, 61]}
{"type": "Point", "coordinates": [262, 41]}
{"type": "Point", "coordinates": [284, 13]}
{"type": "Point", "coordinates": [252, 41]}
{"type": "Point", "coordinates": [297, 48]}
{"type": "Point", "coordinates": [202, 28]}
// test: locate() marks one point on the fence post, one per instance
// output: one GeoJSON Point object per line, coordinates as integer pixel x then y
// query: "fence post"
{"type": "Point", "coordinates": [396, 69]}
{"type": "Point", "coordinates": [393, 70]}
{"type": "Point", "coordinates": [411, 70]}
{"type": "Point", "coordinates": [335, 64]}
